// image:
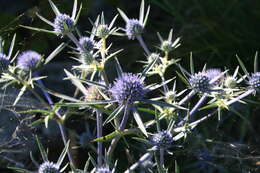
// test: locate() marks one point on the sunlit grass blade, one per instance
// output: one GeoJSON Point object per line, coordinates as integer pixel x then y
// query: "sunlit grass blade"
{"type": "Point", "coordinates": [45, 20]}
{"type": "Point", "coordinates": [191, 64]}
{"type": "Point", "coordinates": [146, 16]}
{"type": "Point", "coordinates": [79, 12]}
{"type": "Point", "coordinates": [54, 8]}
{"type": "Point", "coordinates": [11, 47]}
{"type": "Point", "coordinates": [139, 122]}
{"type": "Point", "coordinates": [42, 150]}
{"type": "Point", "coordinates": [76, 82]}
{"type": "Point", "coordinates": [74, 11]}
{"type": "Point", "coordinates": [38, 29]}
{"type": "Point", "coordinates": [63, 154]}
{"type": "Point", "coordinates": [242, 65]}
{"type": "Point", "coordinates": [256, 62]}
{"type": "Point", "coordinates": [55, 52]}
{"type": "Point", "coordinates": [114, 114]}
{"type": "Point", "coordinates": [159, 103]}
{"type": "Point", "coordinates": [123, 15]}
{"type": "Point", "coordinates": [141, 13]}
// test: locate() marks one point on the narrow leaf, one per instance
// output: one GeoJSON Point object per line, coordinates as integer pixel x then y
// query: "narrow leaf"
{"type": "Point", "coordinates": [55, 52]}
{"type": "Point", "coordinates": [159, 103]}
{"type": "Point", "coordinates": [139, 122]}
{"type": "Point", "coordinates": [114, 114]}
{"type": "Point", "coordinates": [54, 8]}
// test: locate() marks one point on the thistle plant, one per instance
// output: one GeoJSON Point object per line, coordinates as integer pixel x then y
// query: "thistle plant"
{"type": "Point", "coordinates": [125, 106]}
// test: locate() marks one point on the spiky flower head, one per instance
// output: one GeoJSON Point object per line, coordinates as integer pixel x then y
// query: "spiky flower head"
{"type": "Point", "coordinates": [133, 28]}
{"type": "Point", "coordinates": [128, 88]}
{"type": "Point", "coordinates": [200, 82]}
{"type": "Point", "coordinates": [86, 57]}
{"type": "Point", "coordinates": [28, 60]}
{"type": "Point", "coordinates": [102, 31]}
{"type": "Point", "coordinates": [4, 62]}
{"type": "Point", "coordinates": [230, 82]}
{"type": "Point", "coordinates": [87, 43]}
{"type": "Point", "coordinates": [254, 81]}
{"type": "Point", "coordinates": [213, 73]}
{"type": "Point", "coordinates": [48, 167]}
{"type": "Point", "coordinates": [103, 170]}
{"type": "Point", "coordinates": [166, 46]}
{"type": "Point", "coordinates": [162, 139]}
{"type": "Point", "coordinates": [63, 24]}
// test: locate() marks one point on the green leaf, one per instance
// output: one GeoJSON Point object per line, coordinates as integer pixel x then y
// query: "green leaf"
{"type": "Point", "coordinates": [35, 111]}
{"type": "Point", "coordinates": [114, 114]}
{"type": "Point", "coordinates": [191, 64]}
{"type": "Point", "coordinates": [146, 16]}
{"type": "Point", "coordinates": [78, 15]}
{"type": "Point", "coordinates": [184, 80]}
{"type": "Point", "coordinates": [45, 20]}
{"type": "Point", "coordinates": [81, 104]}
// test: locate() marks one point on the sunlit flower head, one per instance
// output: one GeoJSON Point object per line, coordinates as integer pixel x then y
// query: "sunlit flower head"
{"type": "Point", "coordinates": [63, 24]}
{"type": "Point", "coordinates": [162, 139]}
{"type": "Point", "coordinates": [87, 43]}
{"type": "Point", "coordinates": [4, 62]}
{"type": "Point", "coordinates": [48, 167]}
{"type": "Point", "coordinates": [254, 81]}
{"type": "Point", "coordinates": [28, 60]}
{"type": "Point", "coordinates": [133, 28]}
{"type": "Point", "coordinates": [200, 82]}
{"type": "Point", "coordinates": [128, 88]}
{"type": "Point", "coordinates": [103, 170]}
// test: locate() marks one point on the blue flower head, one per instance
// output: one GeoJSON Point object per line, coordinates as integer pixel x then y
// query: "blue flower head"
{"type": "Point", "coordinates": [254, 81]}
{"type": "Point", "coordinates": [4, 62]}
{"type": "Point", "coordinates": [28, 60]}
{"type": "Point", "coordinates": [213, 73]}
{"type": "Point", "coordinates": [162, 139]}
{"type": "Point", "coordinates": [63, 24]}
{"type": "Point", "coordinates": [200, 82]}
{"type": "Point", "coordinates": [133, 28]}
{"type": "Point", "coordinates": [87, 43]}
{"type": "Point", "coordinates": [103, 170]}
{"type": "Point", "coordinates": [128, 88]}
{"type": "Point", "coordinates": [48, 167]}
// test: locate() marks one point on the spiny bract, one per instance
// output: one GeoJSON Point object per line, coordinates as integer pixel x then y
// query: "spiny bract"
{"type": "Point", "coordinates": [133, 28]}
{"type": "Point", "coordinates": [86, 43]}
{"type": "Point", "coordinates": [162, 139]}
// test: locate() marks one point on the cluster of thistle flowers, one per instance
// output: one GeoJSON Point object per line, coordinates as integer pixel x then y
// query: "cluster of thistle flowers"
{"type": "Point", "coordinates": [127, 93]}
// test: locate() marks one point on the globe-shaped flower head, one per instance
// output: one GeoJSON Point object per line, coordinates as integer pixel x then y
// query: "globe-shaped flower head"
{"type": "Point", "coordinates": [28, 60]}
{"type": "Point", "coordinates": [103, 170]}
{"type": "Point", "coordinates": [87, 43]}
{"type": "Point", "coordinates": [128, 88]}
{"type": "Point", "coordinates": [254, 81]}
{"type": "Point", "coordinates": [213, 73]}
{"type": "Point", "coordinates": [133, 28]}
{"type": "Point", "coordinates": [162, 140]}
{"type": "Point", "coordinates": [48, 167]}
{"type": "Point", "coordinates": [102, 31]}
{"type": "Point", "coordinates": [200, 82]}
{"type": "Point", "coordinates": [4, 62]}
{"type": "Point", "coordinates": [63, 24]}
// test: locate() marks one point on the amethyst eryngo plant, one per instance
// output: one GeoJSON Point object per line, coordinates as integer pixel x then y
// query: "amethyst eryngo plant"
{"type": "Point", "coordinates": [115, 102]}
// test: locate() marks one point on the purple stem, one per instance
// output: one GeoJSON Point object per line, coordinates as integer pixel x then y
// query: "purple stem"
{"type": "Point", "coordinates": [99, 134]}
{"type": "Point", "coordinates": [142, 43]}
{"type": "Point", "coordinates": [145, 157]}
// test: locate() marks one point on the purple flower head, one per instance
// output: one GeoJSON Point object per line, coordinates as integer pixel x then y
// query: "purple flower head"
{"type": "Point", "coordinates": [48, 167]}
{"type": "Point", "coordinates": [87, 43]}
{"type": "Point", "coordinates": [162, 139]}
{"type": "Point", "coordinates": [200, 82]}
{"type": "Point", "coordinates": [133, 28]}
{"type": "Point", "coordinates": [103, 170]}
{"type": "Point", "coordinates": [254, 81]}
{"type": "Point", "coordinates": [28, 60]}
{"type": "Point", "coordinates": [63, 23]}
{"type": "Point", "coordinates": [4, 62]}
{"type": "Point", "coordinates": [213, 73]}
{"type": "Point", "coordinates": [128, 88]}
